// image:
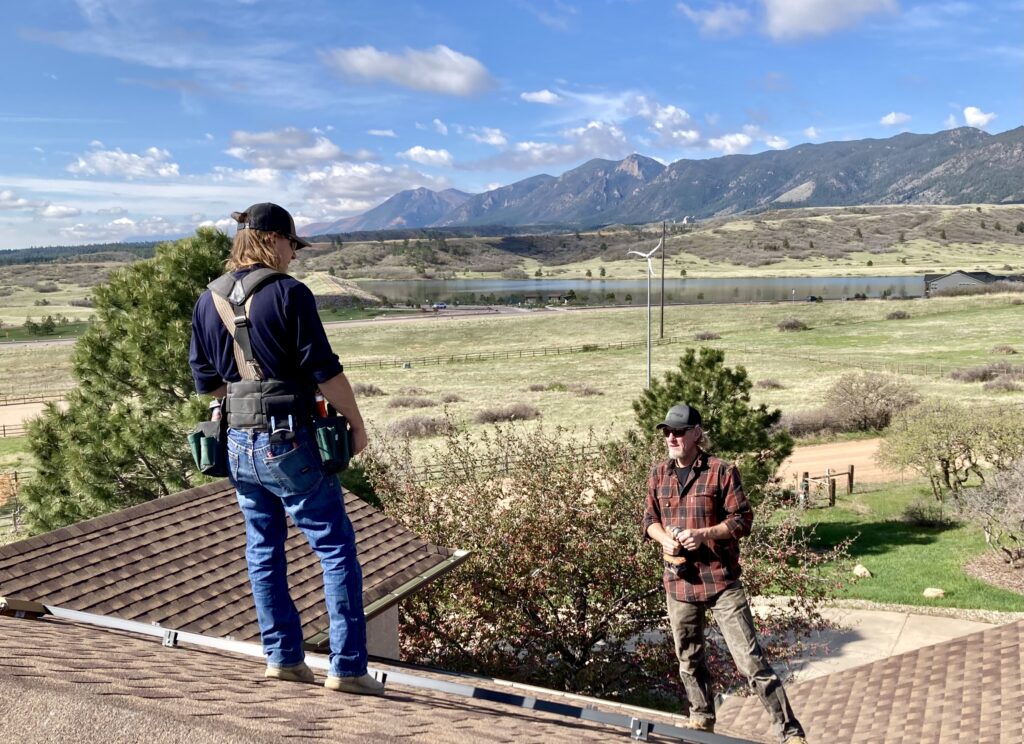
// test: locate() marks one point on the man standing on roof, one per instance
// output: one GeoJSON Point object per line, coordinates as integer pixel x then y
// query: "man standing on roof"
{"type": "Point", "coordinates": [697, 511]}
{"type": "Point", "coordinates": [268, 376]}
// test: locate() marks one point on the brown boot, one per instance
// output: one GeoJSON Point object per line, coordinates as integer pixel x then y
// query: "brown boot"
{"type": "Point", "coordinates": [296, 673]}
{"type": "Point", "coordinates": [364, 685]}
{"type": "Point", "coordinates": [701, 724]}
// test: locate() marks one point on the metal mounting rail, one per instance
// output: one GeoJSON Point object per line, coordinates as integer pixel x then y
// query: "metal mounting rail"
{"type": "Point", "coordinates": [639, 728]}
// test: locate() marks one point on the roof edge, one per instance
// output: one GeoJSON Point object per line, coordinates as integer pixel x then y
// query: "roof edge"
{"type": "Point", "coordinates": [318, 640]}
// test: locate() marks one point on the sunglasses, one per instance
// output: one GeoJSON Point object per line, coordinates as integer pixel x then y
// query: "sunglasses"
{"type": "Point", "coordinates": [678, 433]}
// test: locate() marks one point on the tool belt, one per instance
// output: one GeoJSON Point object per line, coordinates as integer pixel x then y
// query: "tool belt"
{"type": "Point", "coordinates": [264, 405]}
{"type": "Point", "coordinates": [258, 404]}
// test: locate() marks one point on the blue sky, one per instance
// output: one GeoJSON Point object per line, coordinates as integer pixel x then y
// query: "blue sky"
{"type": "Point", "coordinates": [138, 119]}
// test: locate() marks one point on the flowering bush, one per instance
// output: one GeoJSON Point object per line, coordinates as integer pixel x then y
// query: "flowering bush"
{"type": "Point", "coordinates": [561, 590]}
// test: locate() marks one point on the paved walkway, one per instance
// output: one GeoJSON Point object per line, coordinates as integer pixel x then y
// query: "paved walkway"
{"type": "Point", "coordinates": [870, 635]}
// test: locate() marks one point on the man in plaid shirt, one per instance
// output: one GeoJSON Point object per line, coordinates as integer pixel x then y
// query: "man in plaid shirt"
{"type": "Point", "coordinates": [697, 511]}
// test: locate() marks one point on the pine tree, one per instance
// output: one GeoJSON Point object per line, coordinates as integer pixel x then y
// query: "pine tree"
{"type": "Point", "coordinates": [737, 430]}
{"type": "Point", "coordinates": [122, 439]}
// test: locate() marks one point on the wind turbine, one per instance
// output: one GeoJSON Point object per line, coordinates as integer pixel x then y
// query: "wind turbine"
{"type": "Point", "coordinates": [650, 273]}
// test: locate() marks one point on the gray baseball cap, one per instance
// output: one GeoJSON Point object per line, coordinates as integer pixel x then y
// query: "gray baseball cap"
{"type": "Point", "coordinates": [679, 417]}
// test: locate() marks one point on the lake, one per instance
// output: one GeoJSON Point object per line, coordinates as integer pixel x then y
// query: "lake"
{"type": "Point", "coordinates": [634, 291]}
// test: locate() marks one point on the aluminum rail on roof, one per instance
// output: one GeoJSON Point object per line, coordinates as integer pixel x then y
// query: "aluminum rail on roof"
{"type": "Point", "coordinates": [638, 728]}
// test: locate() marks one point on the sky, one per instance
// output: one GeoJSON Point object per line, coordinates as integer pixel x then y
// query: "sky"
{"type": "Point", "coordinates": [141, 120]}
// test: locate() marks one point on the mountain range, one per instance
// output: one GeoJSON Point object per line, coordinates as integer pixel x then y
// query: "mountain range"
{"type": "Point", "coordinates": [956, 166]}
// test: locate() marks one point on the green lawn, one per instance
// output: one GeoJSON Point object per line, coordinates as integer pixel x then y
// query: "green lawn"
{"type": "Point", "coordinates": [14, 455]}
{"type": "Point", "coordinates": [905, 559]}
{"type": "Point", "coordinates": [18, 333]}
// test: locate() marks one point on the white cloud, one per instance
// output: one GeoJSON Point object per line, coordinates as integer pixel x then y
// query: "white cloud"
{"type": "Point", "coordinates": [731, 144]}
{"type": "Point", "coordinates": [596, 139]}
{"type": "Point", "coordinates": [426, 156]}
{"type": "Point", "coordinates": [57, 211]}
{"type": "Point", "coordinates": [488, 136]}
{"type": "Point", "coordinates": [237, 66]}
{"type": "Point", "coordinates": [975, 117]}
{"type": "Point", "coordinates": [153, 163]}
{"type": "Point", "coordinates": [436, 70]}
{"type": "Point", "coordinates": [672, 125]}
{"type": "Point", "coordinates": [791, 19]}
{"type": "Point", "coordinates": [894, 118]}
{"type": "Point", "coordinates": [265, 176]}
{"type": "Point", "coordinates": [811, 133]}
{"type": "Point", "coordinates": [440, 127]}
{"type": "Point", "coordinates": [554, 14]}
{"type": "Point", "coordinates": [9, 201]}
{"type": "Point", "coordinates": [346, 188]}
{"type": "Point", "coordinates": [541, 96]}
{"type": "Point", "coordinates": [125, 227]}
{"type": "Point", "coordinates": [208, 137]}
{"type": "Point", "coordinates": [286, 148]}
{"type": "Point", "coordinates": [951, 122]}
{"type": "Point", "coordinates": [775, 142]}
{"type": "Point", "coordinates": [722, 20]}
{"type": "Point", "coordinates": [381, 132]}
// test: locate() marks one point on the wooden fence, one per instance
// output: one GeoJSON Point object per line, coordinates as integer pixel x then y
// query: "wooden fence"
{"type": "Point", "coordinates": [808, 484]}
{"type": "Point", "coordinates": [507, 354]}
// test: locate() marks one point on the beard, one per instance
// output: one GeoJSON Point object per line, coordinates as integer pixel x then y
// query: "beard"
{"type": "Point", "coordinates": [675, 451]}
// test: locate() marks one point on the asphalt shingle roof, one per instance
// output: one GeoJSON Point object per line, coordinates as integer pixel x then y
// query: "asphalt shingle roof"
{"type": "Point", "coordinates": [62, 681]}
{"type": "Point", "coordinates": [180, 561]}
{"type": "Point", "coordinates": [968, 689]}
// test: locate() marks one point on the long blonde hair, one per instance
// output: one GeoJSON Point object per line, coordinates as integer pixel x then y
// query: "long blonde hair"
{"type": "Point", "coordinates": [252, 247]}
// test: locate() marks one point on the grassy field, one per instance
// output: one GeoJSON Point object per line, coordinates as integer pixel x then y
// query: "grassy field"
{"type": "Point", "coordinates": [941, 334]}
{"type": "Point", "coordinates": [906, 559]}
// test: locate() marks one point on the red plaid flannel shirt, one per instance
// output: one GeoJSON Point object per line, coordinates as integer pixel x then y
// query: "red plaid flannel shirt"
{"type": "Point", "coordinates": [713, 495]}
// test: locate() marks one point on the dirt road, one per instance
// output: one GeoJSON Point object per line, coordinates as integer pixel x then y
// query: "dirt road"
{"type": "Point", "coordinates": [838, 456]}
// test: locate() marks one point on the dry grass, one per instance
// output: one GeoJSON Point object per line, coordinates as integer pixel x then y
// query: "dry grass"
{"type": "Point", "coordinates": [410, 401]}
{"type": "Point", "coordinates": [792, 324]}
{"type": "Point", "coordinates": [511, 412]}
{"type": "Point", "coordinates": [419, 427]}
{"type": "Point", "coordinates": [367, 390]}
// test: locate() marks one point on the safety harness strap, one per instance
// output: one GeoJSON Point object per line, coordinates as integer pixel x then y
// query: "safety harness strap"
{"type": "Point", "coordinates": [233, 298]}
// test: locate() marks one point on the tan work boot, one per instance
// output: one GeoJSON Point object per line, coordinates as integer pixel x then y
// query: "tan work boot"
{"type": "Point", "coordinates": [796, 740]}
{"type": "Point", "coordinates": [701, 724]}
{"type": "Point", "coordinates": [297, 673]}
{"type": "Point", "coordinates": [364, 685]}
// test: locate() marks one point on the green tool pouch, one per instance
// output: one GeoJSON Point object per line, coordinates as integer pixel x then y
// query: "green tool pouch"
{"type": "Point", "coordinates": [334, 440]}
{"type": "Point", "coordinates": [209, 445]}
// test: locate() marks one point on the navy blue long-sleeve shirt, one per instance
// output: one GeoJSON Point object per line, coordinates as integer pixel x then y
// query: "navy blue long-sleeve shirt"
{"type": "Point", "coordinates": [286, 334]}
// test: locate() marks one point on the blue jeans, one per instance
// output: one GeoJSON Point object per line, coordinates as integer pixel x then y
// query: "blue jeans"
{"type": "Point", "coordinates": [272, 480]}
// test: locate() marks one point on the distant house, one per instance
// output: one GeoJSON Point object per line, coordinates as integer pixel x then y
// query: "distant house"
{"type": "Point", "coordinates": [935, 282]}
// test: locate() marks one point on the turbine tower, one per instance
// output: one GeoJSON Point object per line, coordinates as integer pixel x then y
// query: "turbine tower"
{"type": "Point", "coordinates": [650, 272]}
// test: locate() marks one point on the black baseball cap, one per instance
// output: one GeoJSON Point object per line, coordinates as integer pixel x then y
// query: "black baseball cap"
{"type": "Point", "coordinates": [269, 218]}
{"type": "Point", "coordinates": [679, 417]}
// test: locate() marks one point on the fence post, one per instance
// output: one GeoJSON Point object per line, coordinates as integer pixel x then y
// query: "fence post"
{"type": "Point", "coordinates": [805, 488]}
{"type": "Point", "coordinates": [849, 480]}
{"type": "Point", "coordinates": [831, 491]}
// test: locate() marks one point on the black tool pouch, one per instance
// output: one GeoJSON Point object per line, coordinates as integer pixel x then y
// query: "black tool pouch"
{"type": "Point", "coordinates": [334, 441]}
{"type": "Point", "coordinates": [209, 445]}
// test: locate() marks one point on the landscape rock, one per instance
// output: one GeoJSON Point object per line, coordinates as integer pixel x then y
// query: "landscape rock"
{"type": "Point", "coordinates": [934, 593]}
{"type": "Point", "coordinates": [861, 572]}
